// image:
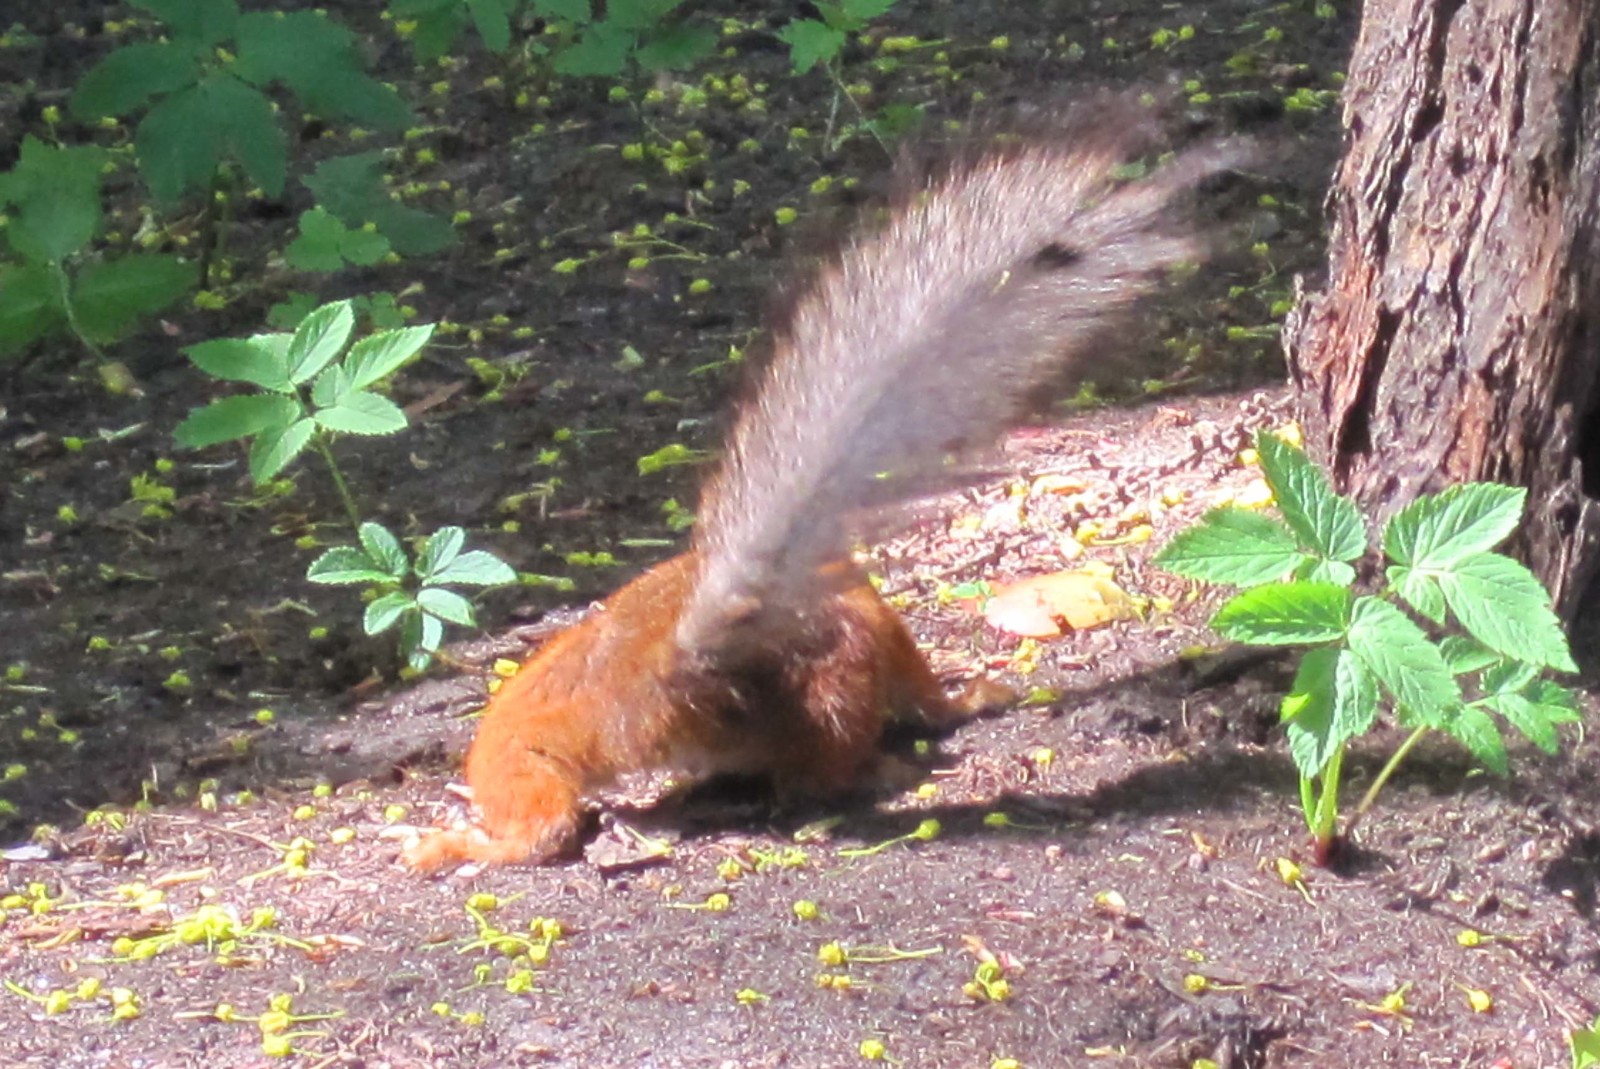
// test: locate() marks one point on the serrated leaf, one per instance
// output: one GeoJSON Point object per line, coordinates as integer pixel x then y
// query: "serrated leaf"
{"type": "Point", "coordinates": [112, 295]}
{"type": "Point", "coordinates": [378, 355]}
{"type": "Point", "coordinates": [1527, 718]}
{"type": "Point", "coordinates": [345, 566]}
{"type": "Point", "coordinates": [476, 568]}
{"type": "Point", "coordinates": [1325, 523]}
{"type": "Point", "coordinates": [447, 605]}
{"type": "Point", "coordinates": [492, 20]}
{"type": "Point", "coordinates": [1403, 660]}
{"type": "Point", "coordinates": [203, 22]}
{"type": "Point", "coordinates": [601, 51]}
{"type": "Point", "coordinates": [383, 613]}
{"type": "Point", "coordinates": [1232, 545]}
{"type": "Point", "coordinates": [273, 449]}
{"type": "Point", "coordinates": [810, 42]}
{"type": "Point", "coordinates": [437, 31]}
{"type": "Point", "coordinates": [384, 548]}
{"type": "Point", "coordinates": [231, 418]}
{"type": "Point", "coordinates": [360, 412]}
{"type": "Point", "coordinates": [178, 145]}
{"type": "Point", "coordinates": [260, 360]}
{"type": "Point", "coordinates": [332, 386]}
{"type": "Point", "coordinates": [126, 79]}
{"type": "Point", "coordinates": [1418, 589]}
{"type": "Point", "coordinates": [1502, 605]}
{"type": "Point", "coordinates": [441, 549]}
{"type": "Point", "coordinates": [864, 10]}
{"type": "Point", "coordinates": [30, 305]}
{"type": "Point", "coordinates": [1285, 614]}
{"type": "Point", "coordinates": [1437, 530]}
{"type": "Point", "coordinates": [318, 60]}
{"type": "Point", "coordinates": [1463, 654]}
{"type": "Point", "coordinates": [1332, 701]}
{"type": "Point", "coordinates": [676, 48]}
{"type": "Point", "coordinates": [55, 198]}
{"type": "Point", "coordinates": [1477, 731]}
{"type": "Point", "coordinates": [250, 131]}
{"type": "Point", "coordinates": [363, 247]}
{"type": "Point", "coordinates": [318, 339]}
{"type": "Point", "coordinates": [1507, 675]}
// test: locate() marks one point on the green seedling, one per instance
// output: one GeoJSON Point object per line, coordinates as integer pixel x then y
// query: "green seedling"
{"type": "Point", "coordinates": [414, 596]}
{"type": "Point", "coordinates": [51, 199]}
{"type": "Point", "coordinates": [326, 244]}
{"type": "Point", "coordinates": [1586, 1046]}
{"type": "Point", "coordinates": [310, 394]}
{"type": "Point", "coordinates": [1366, 649]}
{"type": "Point", "coordinates": [814, 41]}
{"type": "Point", "coordinates": [203, 86]}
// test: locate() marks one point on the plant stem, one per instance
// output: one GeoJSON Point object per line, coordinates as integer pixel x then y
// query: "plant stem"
{"type": "Point", "coordinates": [1328, 800]}
{"type": "Point", "coordinates": [1388, 770]}
{"type": "Point", "coordinates": [65, 285]}
{"type": "Point", "coordinates": [339, 483]}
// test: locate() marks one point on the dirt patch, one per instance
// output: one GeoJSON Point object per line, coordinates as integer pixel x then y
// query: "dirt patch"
{"type": "Point", "coordinates": [1104, 886]}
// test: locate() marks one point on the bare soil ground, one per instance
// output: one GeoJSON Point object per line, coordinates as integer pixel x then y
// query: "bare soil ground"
{"type": "Point", "coordinates": [1105, 885]}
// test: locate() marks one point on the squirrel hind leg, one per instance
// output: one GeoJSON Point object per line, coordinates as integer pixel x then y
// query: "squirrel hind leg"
{"type": "Point", "coordinates": [916, 696]}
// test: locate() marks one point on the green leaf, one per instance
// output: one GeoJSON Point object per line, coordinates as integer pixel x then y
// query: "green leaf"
{"type": "Point", "coordinates": [441, 549]}
{"type": "Point", "coordinates": [437, 31]}
{"type": "Point", "coordinates": [383, 613]}
{"type": "Point", "coordinates": [477, 568]}
{"type": "Point", "coordinates": [318, 339]}
{"type": "Point", "coordinates": [236, 417]}
{"type": "Point", "coordinates": [1403, 660]}
{"type": "Point", "coordinates": [384, 549]}
{"type": "Point", "coordinates": [179, 144]}
{"type": "Point", "coordinates": [1232, 545]}
{"type": "Point", "coordinates": [250, 131]}
{"type": "Point", "coordinates": [1285, 614]}
{"type": "Point", "coordinates": [864, 10]}
{"type": "Point", "coordinates": [318, 60]}
{"type": "Point", "coordinates": [287, 313]}
{"type": "Point", "coordinates": [1478, 732]}
{"type": "Point", "coordinates": [1332, 701]}
{"type": "Point", "coordinates": [493, 22]}
{"type": "Point", "coordinates": [378, 355]}
{"type": "Point", "coordinates": [112, 295]}
{"type": "Point", "coordinates": [1438, 530]}
{"type": "Point", "coordinates": [1327, 524]}
{"type": "Point", "coordinates": [346, 566]}
{"type": "Point", "coordinates": [360, 412]}
{"type": "Point", "coordinates": [1464, 655]}
{"type": "Point", "coordinates": [351, 187]}
{"type": "Point", "coordinates": [1418, 589]}
{"type": "Point", "coordinates": [1586, 1046]}
{"type": "Point", "coordinates": [261, 360]}
{"type": "Point", "coordinates": [410, 9]}
{"type": "Point", "coordinates": [447, 605]}
{"type": "Point", "coordinates": [811, 42]}
{"type": "Point", "coordinates": [676, 48]}
{"type": "Point", "coordinates": [1527, 718]}
{"type": "Point", "coordinates": [1336, 572]}
{"type": "Point", "coordinates": [55, 195]}
{"type": "Point", "coordinates": [363, 247]}
{"type": "Point", "coordinates": [203, 22]}
{"type": "Point", "coordinates": [30, 305]}
{"type": "Point", "coordinates": [317, 246]}
{"type": "Point", "coordinates": [576, 11]}
{"type": "Point", "coordinates": [125, 80]}
{"type": "Point", "coordinates": [273, 448]}
{"type": "Point", "coordinates": [1502, 605]}
{"type": "Point", "coordinates": [331, 387]}
{"type": "Point", "coordinates": [1507, 676]}
{"type": "Point", "coordinates": [601, 51]}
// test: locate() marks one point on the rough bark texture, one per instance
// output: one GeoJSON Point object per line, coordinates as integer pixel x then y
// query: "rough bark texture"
{"type": "Point", "coordinates": [1459, 334]}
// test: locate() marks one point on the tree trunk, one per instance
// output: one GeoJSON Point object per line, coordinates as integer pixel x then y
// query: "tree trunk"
{"type": "Point", "coordinates": [1459, 335]}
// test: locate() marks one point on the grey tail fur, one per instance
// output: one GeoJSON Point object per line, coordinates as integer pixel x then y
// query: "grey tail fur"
{"type": "Point", "coordinates": [922, 339]}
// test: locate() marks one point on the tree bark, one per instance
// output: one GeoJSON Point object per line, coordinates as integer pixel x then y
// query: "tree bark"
{"type": "Point", "coordinates": [1458, 337]}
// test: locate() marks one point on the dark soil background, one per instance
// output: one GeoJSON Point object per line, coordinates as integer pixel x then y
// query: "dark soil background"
{"type": "Point", "coordinates": [1111, 850]}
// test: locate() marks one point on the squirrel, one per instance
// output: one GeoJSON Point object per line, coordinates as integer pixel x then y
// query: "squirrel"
{"type": "Point", "coordinates": [763, 649]}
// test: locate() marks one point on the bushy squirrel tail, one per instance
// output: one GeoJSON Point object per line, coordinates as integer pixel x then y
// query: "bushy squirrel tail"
{"type": "Point", "coordinates": [923, 339]}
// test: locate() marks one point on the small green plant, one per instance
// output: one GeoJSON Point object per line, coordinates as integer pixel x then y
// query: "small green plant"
{"type": "Point", "coordinates": [351, 190]}
{"type": "Point", "coordinates": [412, 595]}
{"type": "Point", "coordinates": [314, 388]}
{"type": "Point", "coordinates": [203, 90]}
{"type": "Point", "coordinates": [52, 204]}
{"type": "Point", "coordinates": [325, 244]}
{"type": "Point", "coordinates": [1365, 649]}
